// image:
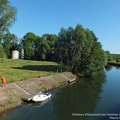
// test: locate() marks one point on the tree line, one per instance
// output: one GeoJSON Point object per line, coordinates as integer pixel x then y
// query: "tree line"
{"type": "Point", "coordinates": [112, 57]}
{"type": "Point", "coordinates": [77, 48]}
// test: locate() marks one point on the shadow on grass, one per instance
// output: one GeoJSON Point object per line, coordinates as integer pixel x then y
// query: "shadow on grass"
{"type": "Point", "coordinates": [47, 68]}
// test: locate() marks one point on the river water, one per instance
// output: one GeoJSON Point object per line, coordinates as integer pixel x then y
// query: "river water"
{"type": "Point", "coordinates": [86, 99]}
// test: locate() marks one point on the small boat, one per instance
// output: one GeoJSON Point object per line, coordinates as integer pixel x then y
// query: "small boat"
{"type": "Point", "coordinates": [39, 104]}
{"type": "Point", "coordinates": [41, 97]}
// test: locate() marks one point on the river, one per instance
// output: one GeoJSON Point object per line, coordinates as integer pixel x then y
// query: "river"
{"type": "Point", "coordinates": [86, 99]}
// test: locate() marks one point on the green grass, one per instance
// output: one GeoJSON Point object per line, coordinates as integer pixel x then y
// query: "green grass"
{"type": "Point", "coordinates": [17, 70]}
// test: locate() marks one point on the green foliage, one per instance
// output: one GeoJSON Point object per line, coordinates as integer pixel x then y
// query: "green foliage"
{"type": "Point", "coordinates": [2, 54]}
{"type": "Point", "coordinates": [112, 57]}
{"type": "Point", "coordinates": [9, 43]}
{"type": "Point", "coordinates": [109, 57]}
{"type": "Point", "coordinates": [50, 42]}
{"type": "Point", "coordinates": [116, 57]}
{"type": "Point", "coordinates": [108, 67]}
{"type": "Point", "coordinates": [28, 45]}
{"type": "Point", "coordinates": [61, 51]}
{"type": "Point", "coordinates": [79, 49]}
{"type": "Point", "coordinates": [39, 48]}
{"type": "Point", "coordinates": [7, 16]}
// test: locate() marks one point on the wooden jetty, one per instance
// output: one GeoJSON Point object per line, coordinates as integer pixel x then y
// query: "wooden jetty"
{"type": "Point", "coordinates": [71, 80]}
{"type": "Point", "coordinates": [29, 97]}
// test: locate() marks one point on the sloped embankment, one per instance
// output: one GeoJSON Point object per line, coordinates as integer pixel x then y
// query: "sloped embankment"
{"type": "Point", "coordinates": [11, 96]}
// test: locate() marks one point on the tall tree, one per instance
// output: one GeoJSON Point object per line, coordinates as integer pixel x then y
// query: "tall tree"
{"type": "Point", "coordinates": [60, 50]}
{"type": "Point", "coordinates": [65, 46]}
{"type": "Point", "coordinates": [35, 47]}
{"type": "Point", "coordinates": [7, 17]}
{"type": "Point", "coordinates": [9, 43]}
{"type": "Point", "coordinates": [41, 48]}
{"type": "Point", "coordinates": [80, 50]}
{"type": "Point", "coordinates": [2, 54]}
{"type": "Point", "coordinates": [51, 40]}
{"type": "Point", "coordinates": [28, 43]}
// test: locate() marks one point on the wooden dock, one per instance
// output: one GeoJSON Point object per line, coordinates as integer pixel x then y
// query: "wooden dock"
{"type": "Point", "coordinates": [71, 80]}
{"type": "Point", "coordinates": [29, 97]}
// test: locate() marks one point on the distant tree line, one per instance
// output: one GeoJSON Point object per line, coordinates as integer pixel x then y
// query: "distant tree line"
{"type": "Point", "coordinates": [112, 57]}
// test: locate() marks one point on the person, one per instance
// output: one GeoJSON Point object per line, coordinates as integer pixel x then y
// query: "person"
{"type": "Point", "coordinates": [3, 81]}
{"type": "Point", "coordinates": [4, 115]}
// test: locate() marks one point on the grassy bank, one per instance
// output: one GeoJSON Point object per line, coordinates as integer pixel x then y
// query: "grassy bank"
{"type": "Point", "coordinates": [114, 63]}
{"type": "Point", "coordinates": [17, 70]}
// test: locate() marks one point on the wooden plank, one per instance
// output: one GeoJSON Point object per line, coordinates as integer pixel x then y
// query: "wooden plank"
{"type": "Point", "coordinates": [72, 80]}
{"type": "Point", "coordinates": [29, 97]}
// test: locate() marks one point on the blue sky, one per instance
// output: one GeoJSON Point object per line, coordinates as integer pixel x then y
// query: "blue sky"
{"type": "Point", "coordinates": [49, 16]}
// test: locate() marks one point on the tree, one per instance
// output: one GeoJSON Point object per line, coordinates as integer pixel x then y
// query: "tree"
{"type": "Point", "coordinates": [92, 59]}
{"type": "Point", "coordinates": [51, 40]}
{"type": "Point", "coordinates": [80, 50]}
{"type": "Point", "coordinates": [35, 47]}
{"type": "Point", "coordinates": [7, 17]}
{"type": "Point", "coordinates": [109, 57]}
{"type": "Point", "coordinates": [2, 54]}
{"type": "Point", "coordinates": [28, 43]}
{"type": "Point", "coordinates": [9, 43]}
{"type": "Point", "coordinates": [41, 48]}
{"type": "Point", "coordinates": [61, 49]}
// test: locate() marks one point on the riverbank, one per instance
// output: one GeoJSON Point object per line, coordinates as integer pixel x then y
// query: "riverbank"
{"type": "Point", "coordinates": [11, 95]}
{"type": "Point", "coordinates": [113, 63]}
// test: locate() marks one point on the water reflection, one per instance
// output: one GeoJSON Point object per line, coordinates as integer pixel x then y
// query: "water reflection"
{"type": "Point", "coordinates": [4, 114]}
{"type": "Point", "coordinates": [82, 97]}
{"type": "Point", "coordinates": [117, 67]}
{"type": "Point", "coordinates": [108, 67]}
{"type": "Point", "coordinates": [36, 104]}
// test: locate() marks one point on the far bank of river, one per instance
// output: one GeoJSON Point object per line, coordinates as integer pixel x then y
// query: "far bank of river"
{"type": "Point", "coordinates": [114, 63]}
{"type": "Point", "coordinates": [11, 95]}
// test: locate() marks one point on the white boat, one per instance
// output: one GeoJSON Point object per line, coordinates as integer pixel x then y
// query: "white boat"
{"type": "Point", "coordinates": [39, 104]}
{"type": "Point", "coordinates": [41, 97]}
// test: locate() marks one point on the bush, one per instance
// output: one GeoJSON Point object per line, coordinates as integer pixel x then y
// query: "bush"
{"type": "Point", "coordinates": [118, 60]}
{"type": "Point", "coordinates": [2, 54]}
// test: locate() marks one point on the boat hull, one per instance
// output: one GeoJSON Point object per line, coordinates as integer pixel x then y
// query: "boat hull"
{"type": "Point", "coordinates": [41, 97]}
